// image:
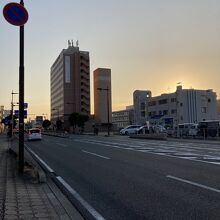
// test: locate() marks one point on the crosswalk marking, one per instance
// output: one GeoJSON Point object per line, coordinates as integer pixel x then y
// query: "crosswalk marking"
{"type": "Point", "coordinates": [183, 151]}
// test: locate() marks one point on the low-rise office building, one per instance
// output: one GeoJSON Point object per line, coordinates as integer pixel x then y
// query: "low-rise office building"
{"type": "Point", "coordinates": [123, 118]}
{"type": "Point", "coordinates": [218, 108]}
{"type": "Point", "coordinates": [139, 99]}
{"type": "Point", "coordinates": [182, 106]}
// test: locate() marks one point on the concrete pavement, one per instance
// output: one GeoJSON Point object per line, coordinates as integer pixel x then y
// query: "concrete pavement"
{"type": "Point", "coordinates": [23, 197]}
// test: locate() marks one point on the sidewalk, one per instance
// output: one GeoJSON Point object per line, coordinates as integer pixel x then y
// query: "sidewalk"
{"type": "Point", "coordinates": [22, 197]}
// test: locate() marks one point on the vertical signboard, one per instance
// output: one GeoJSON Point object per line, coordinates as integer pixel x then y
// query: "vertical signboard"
{"type": "Point", "coordinates": [67, 69]}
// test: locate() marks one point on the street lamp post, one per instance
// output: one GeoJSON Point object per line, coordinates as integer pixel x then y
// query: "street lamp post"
{"type": "Point", "coordinates": [12, 111]}
{"type": "Point", "coordinates": [107, 91]}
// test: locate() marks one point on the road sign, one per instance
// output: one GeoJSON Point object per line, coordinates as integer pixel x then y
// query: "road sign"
{"type": "Point", "coordinates": [17, 113]}
{"type": "Point", "coordinates": [15, 14]}
{"type": "Point", "coordinates": [25, 105]}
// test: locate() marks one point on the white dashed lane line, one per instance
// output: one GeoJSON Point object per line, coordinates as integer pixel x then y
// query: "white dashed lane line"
{"type": "Point", "coordinates": [193, 183]}
{"type": "Point", "coordinates": [97, 155]}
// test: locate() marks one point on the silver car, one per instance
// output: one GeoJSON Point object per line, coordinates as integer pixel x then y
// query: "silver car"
{"type": "Point", "coordinates": [131, 129]}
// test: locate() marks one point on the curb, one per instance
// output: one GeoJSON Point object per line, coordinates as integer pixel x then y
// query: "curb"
{"type": "Point", "coordinates": [38, 172]}
{"type": "Point", "coordinates": [87, 211]}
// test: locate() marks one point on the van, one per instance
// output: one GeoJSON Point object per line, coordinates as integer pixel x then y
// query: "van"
{"type": "Point", "coordinates": [188, 129]}
{"type": "Point", "coordinates": [209, 128]}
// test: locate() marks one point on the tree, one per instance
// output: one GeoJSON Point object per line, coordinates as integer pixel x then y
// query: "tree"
{"type": "Point", "coordinates": [59, 124]}
{"type": "Point", "coordinates": [77, 119]}
{"type": "Point", "coordinates": [46, 124]}
{"type": "Point", "coordinates": [73, 119]}
{"type": "Point", "coordinates": [82, 119]}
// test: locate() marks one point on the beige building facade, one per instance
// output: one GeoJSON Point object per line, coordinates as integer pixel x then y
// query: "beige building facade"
{"type": "Point", "coordinates": [102, 95]}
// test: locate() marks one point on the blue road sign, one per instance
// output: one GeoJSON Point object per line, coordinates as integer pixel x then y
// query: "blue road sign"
{"type": "Point", "coordinates": [17, 113]}
{"type": "Point", "coordinates": [15, 14]}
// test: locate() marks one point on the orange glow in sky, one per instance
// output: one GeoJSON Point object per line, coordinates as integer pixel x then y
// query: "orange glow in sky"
{"type": "Point", "coordinates": [149, 45]}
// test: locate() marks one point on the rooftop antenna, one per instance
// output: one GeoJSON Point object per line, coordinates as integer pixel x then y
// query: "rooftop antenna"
{"type": "Point", "coordinates": [77, 43]}
{"type": "Point", "coordinates": [69, 43]}
{"type": "Point", "coordinates": [72, 43]}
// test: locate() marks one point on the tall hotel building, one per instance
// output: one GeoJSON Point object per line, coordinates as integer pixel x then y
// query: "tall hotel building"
{"type": "Point", "coordinates": [102, 95]}
{"type": "Point", "coordinates": [70, 84]}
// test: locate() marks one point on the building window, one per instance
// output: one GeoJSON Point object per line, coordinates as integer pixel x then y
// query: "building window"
{"type": "Point", "coordinates": [152, 103]}
{"type": "Point", "coordinates": [162, 101]}
{"type": "Point", "coordinates": [173, 99]}
{"type": "Point", "coordinates": [203, 109]}
{"type": "Point", "coordinates": [142, 106]}
{"type": "Point", "coordinates": [181, 104]}
{"type": "Point", "coordinates": [165, 112]}
{"type": "Point", "coordinates": [209, 100]}
{"type": "Point", "coordinates": [154, 113]}
{"type": "Point", "coordinates": [142, 114]}
{"type": "Point", "coordinates": [160, 113]}
{"type": "Point", "coordinates": [173, 111]}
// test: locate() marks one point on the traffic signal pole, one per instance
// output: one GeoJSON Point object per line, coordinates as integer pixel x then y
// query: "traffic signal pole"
{"type": "Point", "coordinates": [21, 99]}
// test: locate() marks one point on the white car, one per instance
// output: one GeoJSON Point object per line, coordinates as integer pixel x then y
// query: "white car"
{"type": "Point", "coordinates": [34, 134]}
{"type": "Point", "coordinates": [131, 129]}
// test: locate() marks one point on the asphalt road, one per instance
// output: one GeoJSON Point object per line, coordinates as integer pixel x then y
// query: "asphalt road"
{"type": "Point", "coordinates": [123, 178]}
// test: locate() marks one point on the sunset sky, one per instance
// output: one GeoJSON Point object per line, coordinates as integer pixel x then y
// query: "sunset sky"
{"type": "Point", "coordinates": [148, 44]}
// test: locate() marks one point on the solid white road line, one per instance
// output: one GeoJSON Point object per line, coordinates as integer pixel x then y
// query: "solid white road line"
{"type": "Point", "coordinates": [193, 183]}
{"type": "Point", "coordinates": [97, 155]}
{"type": "Point", "coordinates": [91, 210]}
{"type": "Point", "coordinates": [41, 161]}
{"type": "Point", "coordinates": [62, 145]}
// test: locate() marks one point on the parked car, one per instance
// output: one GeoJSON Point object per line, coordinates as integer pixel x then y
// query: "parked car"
{"type": "Point", "coordinates": [131, 129]}
{"type": "Point", "coordinates": [159, 129]}
{"type": "Point", "coordinates": [34, 134]}
{"type": "Point", "coordinates": [150, 129]}
{"type": "Point", "coordinates": [143, 130]}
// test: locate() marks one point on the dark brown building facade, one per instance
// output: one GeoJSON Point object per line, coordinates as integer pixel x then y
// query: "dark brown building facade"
{"type": "Point", "coordinates": [70, 84]}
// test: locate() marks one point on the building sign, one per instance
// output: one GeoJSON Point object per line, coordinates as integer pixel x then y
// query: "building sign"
{"type": "Point", "coordinates": [67, 69]}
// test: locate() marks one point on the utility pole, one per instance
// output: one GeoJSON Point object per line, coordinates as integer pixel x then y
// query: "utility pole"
{"type": "Point", "coordinates": [21, 99]}
{"type": "Point", "coordinates": [17, 15]}
{"type": "Point", "coordinates": [12, 111]}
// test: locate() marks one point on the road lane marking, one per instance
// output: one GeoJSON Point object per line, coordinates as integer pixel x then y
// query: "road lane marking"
{"type": "Point", "coordinates": [38, 158]}
{"type": "Point", "coordinates": [87, 152]}
{"type": "Point", "coordinates": [195, 157]}
{"type": "Point", "coordinates": [62, 145]}
{"type": "Point", "coordinates": [193, 183]}
{"type": "Point", "coordinates": [86, 205]}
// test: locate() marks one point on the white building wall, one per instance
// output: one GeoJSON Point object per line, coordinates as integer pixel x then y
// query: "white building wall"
{"type": "Point", "coordinates": [183, 106]}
